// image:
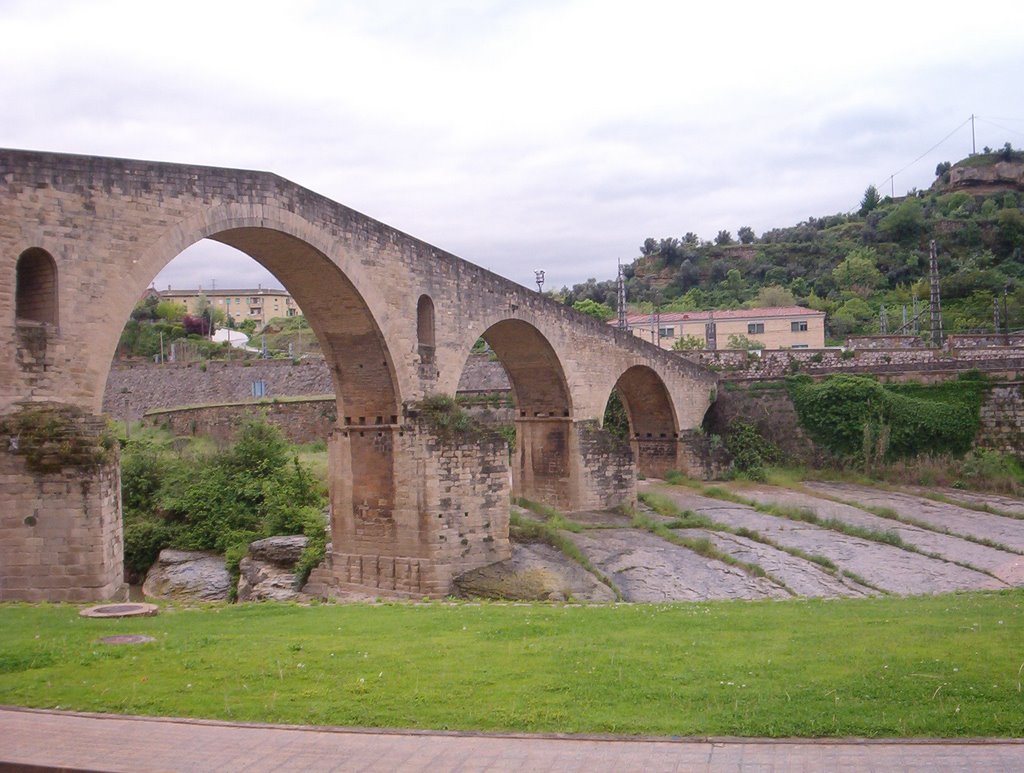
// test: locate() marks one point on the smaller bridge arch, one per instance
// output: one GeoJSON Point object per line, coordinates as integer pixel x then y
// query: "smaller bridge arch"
{"type": "Point", "coordinates": [542, 467]}
{"type": "Point", "coordinates": [653, 425]}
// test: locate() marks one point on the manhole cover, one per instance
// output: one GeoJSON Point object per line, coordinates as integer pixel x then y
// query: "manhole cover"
{"type": "Point", "coordinates": [121, 610]}
{"type": "Point", "coordinates": [126, 639]}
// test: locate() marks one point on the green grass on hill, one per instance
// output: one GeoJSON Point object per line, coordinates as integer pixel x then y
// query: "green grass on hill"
{"type": "Point", "coordinates": [927, 666]}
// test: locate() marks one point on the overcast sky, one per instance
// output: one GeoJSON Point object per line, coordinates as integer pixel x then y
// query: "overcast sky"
{"type": "Point", "coordinates": [522, 135]}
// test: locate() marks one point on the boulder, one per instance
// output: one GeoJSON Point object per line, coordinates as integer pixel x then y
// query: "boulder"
{"type": "Point", "coordinates": [263, 581]}
{"type": "Point", "coordinates": [280, 551]}
{"type": "Point", "coordinates": [188, 575]}
{"type": "Point", "coordinates": [266, 573]}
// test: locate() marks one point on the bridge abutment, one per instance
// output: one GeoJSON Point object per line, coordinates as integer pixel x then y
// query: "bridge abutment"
{"type": "Point", "coordinates": [60, 507]}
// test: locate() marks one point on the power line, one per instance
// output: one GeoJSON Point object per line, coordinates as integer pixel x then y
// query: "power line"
{"type": "Point", "coordinates": [1004, 128]}
{"type": "Point", "coordinates": [892, 177]}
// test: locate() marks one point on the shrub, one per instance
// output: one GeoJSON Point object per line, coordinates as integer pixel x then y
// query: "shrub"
{"type": "Point", "coordinates": [221, 502]}
{"type": "Point", "coordinates": [856, 416]}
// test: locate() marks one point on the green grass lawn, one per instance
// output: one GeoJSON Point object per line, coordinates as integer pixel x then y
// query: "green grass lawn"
{"type": "Point", "coordinates": [928, 666]}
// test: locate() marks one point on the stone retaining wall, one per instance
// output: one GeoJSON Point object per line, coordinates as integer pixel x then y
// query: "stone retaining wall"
{"type": "Point", "coordinates": [769, 407]}
{"type": "Point", "coordinates": [134, 388]}
{"type": "Point", "coordinates": [734, 365]}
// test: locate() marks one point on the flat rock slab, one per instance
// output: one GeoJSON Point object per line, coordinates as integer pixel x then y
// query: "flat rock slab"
{"type": "Point", "coordinates": [646, 567]}
{"type": "Point", "coordinates": [1008, 567]}
{"type": "Point", "coordinates": [1002, 502]}
{"type": "Point", "coordinates": [804, 578]}
{"type": "Point", "coordinates": [534, 572]}
{"type": "Point", "coordinates": [938, 515]}
{"type": "Point", "coordinates": [882, 566]}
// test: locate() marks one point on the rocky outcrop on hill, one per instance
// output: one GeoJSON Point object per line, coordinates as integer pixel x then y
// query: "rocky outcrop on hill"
{"type": "Point", "coordinates": [998, 176]}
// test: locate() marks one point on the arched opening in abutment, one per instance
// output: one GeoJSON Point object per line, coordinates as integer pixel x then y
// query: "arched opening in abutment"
{"type": "Point", "coordinates": [542, 459]}
{"type": "Point", "coordinates": [652, 429]}
{"type": "Point", "coordinates": [361, 443]}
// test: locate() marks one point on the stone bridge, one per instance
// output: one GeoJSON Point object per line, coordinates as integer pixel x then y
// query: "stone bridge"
{"type": "Point", "coordinates": [83, 237]}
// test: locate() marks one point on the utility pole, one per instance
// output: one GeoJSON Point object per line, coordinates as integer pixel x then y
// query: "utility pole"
{"type": "Point", "coordinates": [974, 148]}
{"type": "Point", "coordinates": [1006, 315]}
{"type": "Point", "coordinates": [883, 321]}
{"type": "Point", "coordinates": [995, 313]}
{"type": "Point", "coordinates": [621, 298]}
{"type": "Point", "coordinates": [936, 301]}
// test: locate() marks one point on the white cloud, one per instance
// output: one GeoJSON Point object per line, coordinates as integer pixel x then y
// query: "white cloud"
{"type": "Point", "coordinates": [522, 135]}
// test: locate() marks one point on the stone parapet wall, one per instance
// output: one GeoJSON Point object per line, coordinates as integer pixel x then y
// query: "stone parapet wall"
{"type": "Point", "coordinates": [885, 342]}
{"type": "Point", "coordinates": [734, 365]}
{"type": "Point", "coordinates": [974, 340]}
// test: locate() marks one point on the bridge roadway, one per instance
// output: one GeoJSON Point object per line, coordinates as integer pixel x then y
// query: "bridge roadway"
{"type": "Point", "coordinates": [98, 742]}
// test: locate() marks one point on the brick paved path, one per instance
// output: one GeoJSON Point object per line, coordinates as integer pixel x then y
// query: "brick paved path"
{"type": "Point", "coordinates": [78, 742]}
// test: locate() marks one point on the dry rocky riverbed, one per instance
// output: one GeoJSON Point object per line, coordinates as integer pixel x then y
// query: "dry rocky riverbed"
{"type": "Point", "coordinates": [824, 548]}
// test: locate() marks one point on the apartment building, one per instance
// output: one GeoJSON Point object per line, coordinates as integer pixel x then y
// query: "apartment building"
{"type": "Point", "coordinates": [261, 305]}
{"type": "Point", "coordinates": [785, 327]}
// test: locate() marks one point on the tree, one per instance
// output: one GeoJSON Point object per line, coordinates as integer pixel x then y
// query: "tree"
{"type": "Point", "coordinates": [690, 239]}
{"type": "Point", "coordinates": [1009, 231]}
{"type": "Point", "coordinates": [746, 235]}
{"type": "Point", "coordinates": [723, 239]}
{"type": "Point", "coordinates": [170, 311]}
{"type": "Point", "coordinates": [773, 296]}
{"type": "Point", "coordinates": [145, 310]}
{"type": "Point", "coordinates": [870, 201]}
{"type": "Point", "coordinates": [943, 169]}
{"type": "Point", "coordinates": [905, 223]}
{"type": "Point", "coordinates": [196, 325]}
{"type": "Point", "coordinates": [688, 343]}
{"type": "Point", "coordinates": [742, 342]}
{"type": "Point", "coordinates": [597, 310]}
{"type": "Point", "coordinates": [858, 272]}
{"type": "Point", "coordinates": [851, 317]}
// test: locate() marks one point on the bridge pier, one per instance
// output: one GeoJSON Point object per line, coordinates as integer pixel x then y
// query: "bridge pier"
{"type": "Point", "coordinates": [655, 456]}
{"type": "Point", "coordinates": [571, 465]}
{"type": "Point", "coordinates": [412, 508]}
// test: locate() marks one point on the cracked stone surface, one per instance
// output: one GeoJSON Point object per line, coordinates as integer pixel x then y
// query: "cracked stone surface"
{"type": "Point", "coordinates": [999, 501]}
{"type": "Point", "coordinates": [534, 572]}
{"type": "Point", "coordinates": [646, 567]}
{"type": "Point", "coordinates": [804, 578]}
{"type": "Point", "coordinates": [1008, 567]}
{"type": "Point", "coordinates": [882, 566]}
{"type": "Point", "coordinates": [939, 515]}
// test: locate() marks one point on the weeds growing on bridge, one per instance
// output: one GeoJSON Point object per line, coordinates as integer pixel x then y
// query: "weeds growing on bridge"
{"type": "Point", "coordinates": [942, 666]}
